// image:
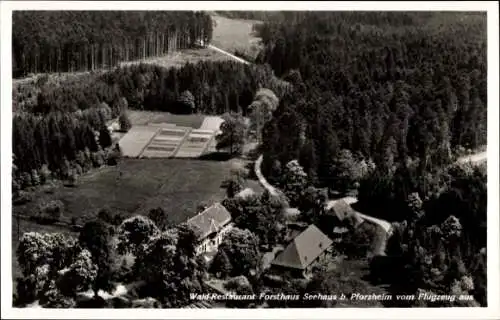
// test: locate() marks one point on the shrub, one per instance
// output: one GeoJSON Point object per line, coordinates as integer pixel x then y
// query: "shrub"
{"type": "Point", "coordinates": [113, 158]}
{"type": "Point", "coordinates": [98, 159]}
{"type": "Point", "coordinates": [74, 221]}
{"type": "Point", "coordinates": [50, 212]}
{"type": "Point", "coordinates": [187, 100]}
{"type": "Point", "coordinates": [22, 197]}
{"type": "Point", "coordinates": [78, 169]}
{"type": "Point", "coordinates": [25, 180]}
{"type": "Point", "coordinates": [45, 174]}
{"type": "Point", "coordinates": [72, 180]}
{"type": "Point", "coordinates": [35, 178]}
{"type": "Point", "coordinates": [16, 186]}
{"type": "Point", "coordinates": [124, 121]}
{"type": "Point", "coordinates": [50, 188]}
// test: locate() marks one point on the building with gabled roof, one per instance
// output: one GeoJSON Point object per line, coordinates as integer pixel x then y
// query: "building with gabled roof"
{"type": "Point", "coordinates": [303, 251]}
{"type": "Point", "coordinates": [213, 224]}
{"type": "Point", "coordinates": [340, 214]}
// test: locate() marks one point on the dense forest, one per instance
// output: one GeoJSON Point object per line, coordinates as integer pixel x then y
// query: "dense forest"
{"type": "Point", "coordinates": [383, 104]}
{"type": "Point", "coordinates": [391, 88]}
{"type": "Point", "coordinates": [59, 146]}
{"type": "Point", "coordinates": [67, 41]}
{"type": "Point", "coordinates": [59, 111]}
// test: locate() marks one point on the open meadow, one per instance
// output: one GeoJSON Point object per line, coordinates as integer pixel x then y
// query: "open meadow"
{"type": "Point", "coordinates": [137, 185]}
{"type": "Point", "coordinates": [235, 35]}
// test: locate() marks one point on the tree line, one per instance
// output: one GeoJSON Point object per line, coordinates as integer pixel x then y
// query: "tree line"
{"type": "Point", "coordinates": [64, 111]}
{"type": "Point", "coordinates": [68, 41]}
{"type": "Point", "coordinates": [214, 88]}
{"type": "Point", "coordinates": [59, 145]}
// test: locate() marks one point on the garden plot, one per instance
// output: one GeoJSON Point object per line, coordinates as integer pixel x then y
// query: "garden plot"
{"type": "Point", "coordinates": [195, 144]}
{"type": "Point", "coordinates": [133, 143]}
{"type": "Point", "coordinates": [166, 142]}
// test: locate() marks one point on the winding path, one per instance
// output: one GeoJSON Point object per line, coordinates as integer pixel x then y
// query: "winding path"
{"type": "Point", "coordinates": [228, 54]}
{"type": "Point", "coordinates": [386, 226]}
{"type": "Point", "coordinates": [262, 179]}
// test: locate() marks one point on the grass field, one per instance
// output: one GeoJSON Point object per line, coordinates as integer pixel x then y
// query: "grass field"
{"type": "Point", "coordinates": [235, 35]}
{"type": "Point", "coordinates": [178, 186]}
{"type": "Point", "coordinates": [144, 117]}
{"type": "Point", "coordinates": [135, 186]}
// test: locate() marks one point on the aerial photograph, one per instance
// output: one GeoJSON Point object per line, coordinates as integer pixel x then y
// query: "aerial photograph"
{"type": "Point", "coordinates": [249, 159]}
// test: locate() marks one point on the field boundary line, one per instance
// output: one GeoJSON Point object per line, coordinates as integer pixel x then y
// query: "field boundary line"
{"type": "Point", "coordinates": [179, 146]}
{"type": "Point", "coordinates": [205, 148]}
{"type": "Point", "coordinates": [148, 143]}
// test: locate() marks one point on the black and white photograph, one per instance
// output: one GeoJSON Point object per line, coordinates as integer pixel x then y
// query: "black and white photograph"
{"type": "Point", "coordinates": [205, 160]}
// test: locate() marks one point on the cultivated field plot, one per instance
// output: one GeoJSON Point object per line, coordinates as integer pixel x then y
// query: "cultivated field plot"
{"type": "Point", "coordinates": [137, 138]}
{"type": "Point", "coordinates": [165, 135]}
{"type": "Point", "coordinates": [235, 35]}
{"type": "Point", "coordinates": [166, 142]}
{"type": "Point", "coordinates": [195, 145]}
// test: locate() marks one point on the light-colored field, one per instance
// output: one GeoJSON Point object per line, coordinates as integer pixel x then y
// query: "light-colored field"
{"type": "Point", "coordinates": [174, 135]}
{"type": "Point", "coordinates": [166, 143]}
{"type": "Point", "coordinates": [235, 35]}
{"type": "Point", "coordinates": [180, 58]}
{"type": "Point", "coordinates": [195, 145]}
{"type": "Point", "coordinates": [211, 123]}
{"type": "Point", "coordinates": [132, 144]}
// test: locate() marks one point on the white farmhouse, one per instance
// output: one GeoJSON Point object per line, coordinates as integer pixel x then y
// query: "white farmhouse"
{"type": "Point", "coordinates": [213, 223]}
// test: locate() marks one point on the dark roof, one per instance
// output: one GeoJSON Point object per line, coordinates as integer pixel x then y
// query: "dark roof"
{"type": "Point", "coordinates": [210, 220]}
{"type": "Point", "coordinates": [304, 249]}
{"type": "Point", "coordinates": [339, 208]}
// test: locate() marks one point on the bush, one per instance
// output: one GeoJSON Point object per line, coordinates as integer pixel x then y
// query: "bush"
{"type": "Point", "coordinates": [98, 159]}
{"type": "Point", "coordinates": [35, 178]}
{"type": "Point", "coordinates": [25, 180]}
{"type": "Point", "coordinates": [23, 197]}
{"type": "Point", "coordinates": [16, 186]}
{"type": "Point", "coordinates": [72, 180]}
{"type": "Point", "coordinates": [113, 158]}
{"type": "Point", "coordinates": [45, 174]}
{"type": "Point", "coordinates": [124, 121]}
{"type": "Point", "coordinates": [50, 188]}
{"type": "Point", "coordinates": [50, 212]}
{"type": "Point", "coordinates": [105, 215]}
{"type": "Point", "coordinates": [78, 169]}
